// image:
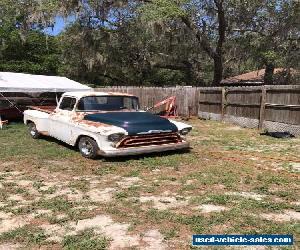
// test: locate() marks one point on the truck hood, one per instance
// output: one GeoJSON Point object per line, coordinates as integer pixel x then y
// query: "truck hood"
{"type": "Point", "coordinates": [134, 122]}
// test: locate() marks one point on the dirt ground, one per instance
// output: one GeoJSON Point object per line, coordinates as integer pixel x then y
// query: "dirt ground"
{"type": "Point", "coordinates": [232, 181]}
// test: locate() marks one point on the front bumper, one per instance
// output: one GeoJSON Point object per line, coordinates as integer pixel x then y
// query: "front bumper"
{"type": "Point", "coordinates": [144, 149]}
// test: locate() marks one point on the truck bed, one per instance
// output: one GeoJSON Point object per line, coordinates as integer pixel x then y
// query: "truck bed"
{"type": "Point", "coordinates": [46, 109]}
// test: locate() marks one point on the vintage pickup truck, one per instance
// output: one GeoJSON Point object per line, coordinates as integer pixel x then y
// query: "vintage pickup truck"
{"type": "Point", "coordinates": [107, 124]}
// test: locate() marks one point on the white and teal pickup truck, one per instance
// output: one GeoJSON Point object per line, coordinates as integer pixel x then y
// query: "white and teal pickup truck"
{"type": "Point", "coordinates": [107, 124]}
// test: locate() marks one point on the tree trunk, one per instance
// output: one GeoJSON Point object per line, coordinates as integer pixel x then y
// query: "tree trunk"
{"type": "Point", "coordinates": [269, 72]}
{"type": "Point", "coordinates": [219, 54]}
{"type": "Point", "coordinates": [218, 69]}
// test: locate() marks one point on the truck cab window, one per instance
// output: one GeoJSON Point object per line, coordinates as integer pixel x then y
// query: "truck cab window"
{"type": "Point", "coordinates": [67, 103]}
{"type": "Point", "coordinates": [108, 103]}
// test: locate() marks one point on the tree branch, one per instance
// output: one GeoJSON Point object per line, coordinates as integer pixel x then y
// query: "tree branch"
{"type": "Point", "coordinates": [203, 40]}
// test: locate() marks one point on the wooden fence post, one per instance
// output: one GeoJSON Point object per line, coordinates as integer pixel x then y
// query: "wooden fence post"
{"type": "Point", "coordinates": [223, 103]}
{"type": "Point", "coordinates": [262, 107]}
{"type": "Point", "coordinates": [199, 103]}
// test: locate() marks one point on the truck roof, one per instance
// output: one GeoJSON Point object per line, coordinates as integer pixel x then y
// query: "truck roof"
{"type": "Point", "coordinates": [80, 94]}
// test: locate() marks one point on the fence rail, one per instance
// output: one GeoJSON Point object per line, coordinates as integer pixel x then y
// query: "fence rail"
{"type": "Point", "coordinates": [276, 108]}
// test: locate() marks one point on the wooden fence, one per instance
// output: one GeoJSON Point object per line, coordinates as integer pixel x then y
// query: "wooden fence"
{"type": "Point", "coordinates": [276, 108]}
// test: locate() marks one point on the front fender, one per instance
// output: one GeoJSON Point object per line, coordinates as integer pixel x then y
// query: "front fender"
{"type": "Point", "coordinates": [180, 125]}
{"type": "Point", "coordinates": [98, 134]}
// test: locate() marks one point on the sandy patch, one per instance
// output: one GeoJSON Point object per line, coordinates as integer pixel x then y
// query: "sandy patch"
{"type": "Point", "coordinates": [8, 246]}
{"type": "Point", "coordinates": [8, 164]}
{"type": "Point", "coordinates": [94, 183]}
{"type": "Point", "coordinates": [46, 185]}
{"type": "Point", "coordinates": [16, 197]}
{"type": "Point", "coordinates": [295, 203]}
{"type": "Point", "coordinates": [55, 232]}
{"type": "Point", "coordinates": [233, 128]}
{"type": "Point", "coordinates": [61, 217]}
{"type": "Point", "coordinates": [154, 240]}
{"type": "Point", "coordinates": [295, 167]}
{"type": "Point", "coordinates": [249, 195]}
{"type": "Point", "coordinates": [24, 183]}
{"type": "Point", "coordinates": [104, 225]}
{"type": "Point", "coordinates": [117, 232]}
{"type": "Point", "coordinates": [190, 182]}
{"type": "Point", "coordinates": [126, 182]}
{"type": "Point", "coordinates": [4, 215]}
{"type": "Point", "coordinates": [163, 202]}
{"type": "Point", "coordinates": [157, 170]}
{"type": "Point", "coordinates": [84, 177]}
{"type": "Point", "coordinates": [209, 208]}
{"type": "Point", "coordinates": [13, 223]}
{"type": "Point", "coordinates": [42, 212]}
{"type": "Point", "coordinates": [101, 195]}
{"type": "Point", "coordinates": [72, 194]}
{"type": "Point", "coordinates": [287, 215]}
{"type": "Point", "coordinates": [28, 186]}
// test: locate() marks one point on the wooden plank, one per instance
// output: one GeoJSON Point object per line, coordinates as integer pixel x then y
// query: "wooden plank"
{"type": "Point", "coordinates": [262, 107]}
{"type": "Point", "coordinates": [210, 102]}
{"type": "Point", "coordinates": [223, 103]}
{"type": "Point", "coordinates": [282, 105]}
{"type": "Point", "coordinates": [243, 104]}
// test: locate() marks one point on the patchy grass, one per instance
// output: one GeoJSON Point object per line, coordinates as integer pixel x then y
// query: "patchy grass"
{"type": "Point", "coordinates": [86, 240]}
{"type": "Point", "coordinates": [51, 188]}
{"type": "Point", "coordinates": [26, 235]}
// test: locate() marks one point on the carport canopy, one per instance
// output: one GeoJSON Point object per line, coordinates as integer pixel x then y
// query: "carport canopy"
{"type": "Point", "coordinates": [19, 82]}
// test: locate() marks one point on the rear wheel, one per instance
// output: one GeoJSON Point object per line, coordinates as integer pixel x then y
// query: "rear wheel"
{"type": "Point", "coordinates": [33, 131]}
{"type": "Point", "coordinates": [88, 147]}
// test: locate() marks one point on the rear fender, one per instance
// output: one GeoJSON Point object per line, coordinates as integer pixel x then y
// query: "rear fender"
{"type": "Point", "coordinates": [40, 119]}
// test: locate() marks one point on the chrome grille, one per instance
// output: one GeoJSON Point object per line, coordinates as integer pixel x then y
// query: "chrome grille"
{"type": "Point", "coordinates": [149, 139]}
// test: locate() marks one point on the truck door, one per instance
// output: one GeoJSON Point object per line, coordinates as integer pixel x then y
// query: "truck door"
{"type": "Point", "coordinates": [60, 120]}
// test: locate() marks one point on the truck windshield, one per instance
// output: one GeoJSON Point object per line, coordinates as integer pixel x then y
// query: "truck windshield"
{"type": "Point", "coordinates": [108, 103]}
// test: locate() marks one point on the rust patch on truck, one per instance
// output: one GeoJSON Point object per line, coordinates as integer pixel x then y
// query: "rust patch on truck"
{"type": "Point", "coordinates": [94, 124]}
{"type": "Point", "coordinates": [79, 118]}
{"type": "Point", "coordinates": [46, 109]}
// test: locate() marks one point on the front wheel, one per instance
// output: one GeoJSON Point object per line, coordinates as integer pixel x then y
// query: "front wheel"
{"type": "Point", "coordinates": [33, 131]}
{"type": "Point", "coordinates": [88, 147]}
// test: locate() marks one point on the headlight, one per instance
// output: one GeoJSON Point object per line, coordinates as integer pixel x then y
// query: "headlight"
{"type": "Point", "coordinates": [185, 131]}
{"type": "Point", "coordinates": [115, 137]}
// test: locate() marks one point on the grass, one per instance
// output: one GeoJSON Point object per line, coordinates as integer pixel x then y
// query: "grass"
{"type": "Point", "coordinates": [26, 235]}
{"type": "Point", "coordinates": [48, 148]}
{"type": "Point", "coordinates": [82, 185]}
{"type": "Point", "coordinates": [169, 233]}
{"type": "Point", "coordinates": [58, 204]}
{"type": "Point", "coordinates": [222, 160]}
{"type": "Point", "coordinates": [85, 240]}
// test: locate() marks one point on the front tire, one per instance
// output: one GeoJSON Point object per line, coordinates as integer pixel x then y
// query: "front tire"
{"type": "Point", "coordinates": [88, 147]}
{"type": "Point", "coordinates": [34, 133]}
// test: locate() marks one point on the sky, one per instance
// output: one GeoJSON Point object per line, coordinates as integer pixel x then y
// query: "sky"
{"type": "Point", "coordinates": [59, 26]}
